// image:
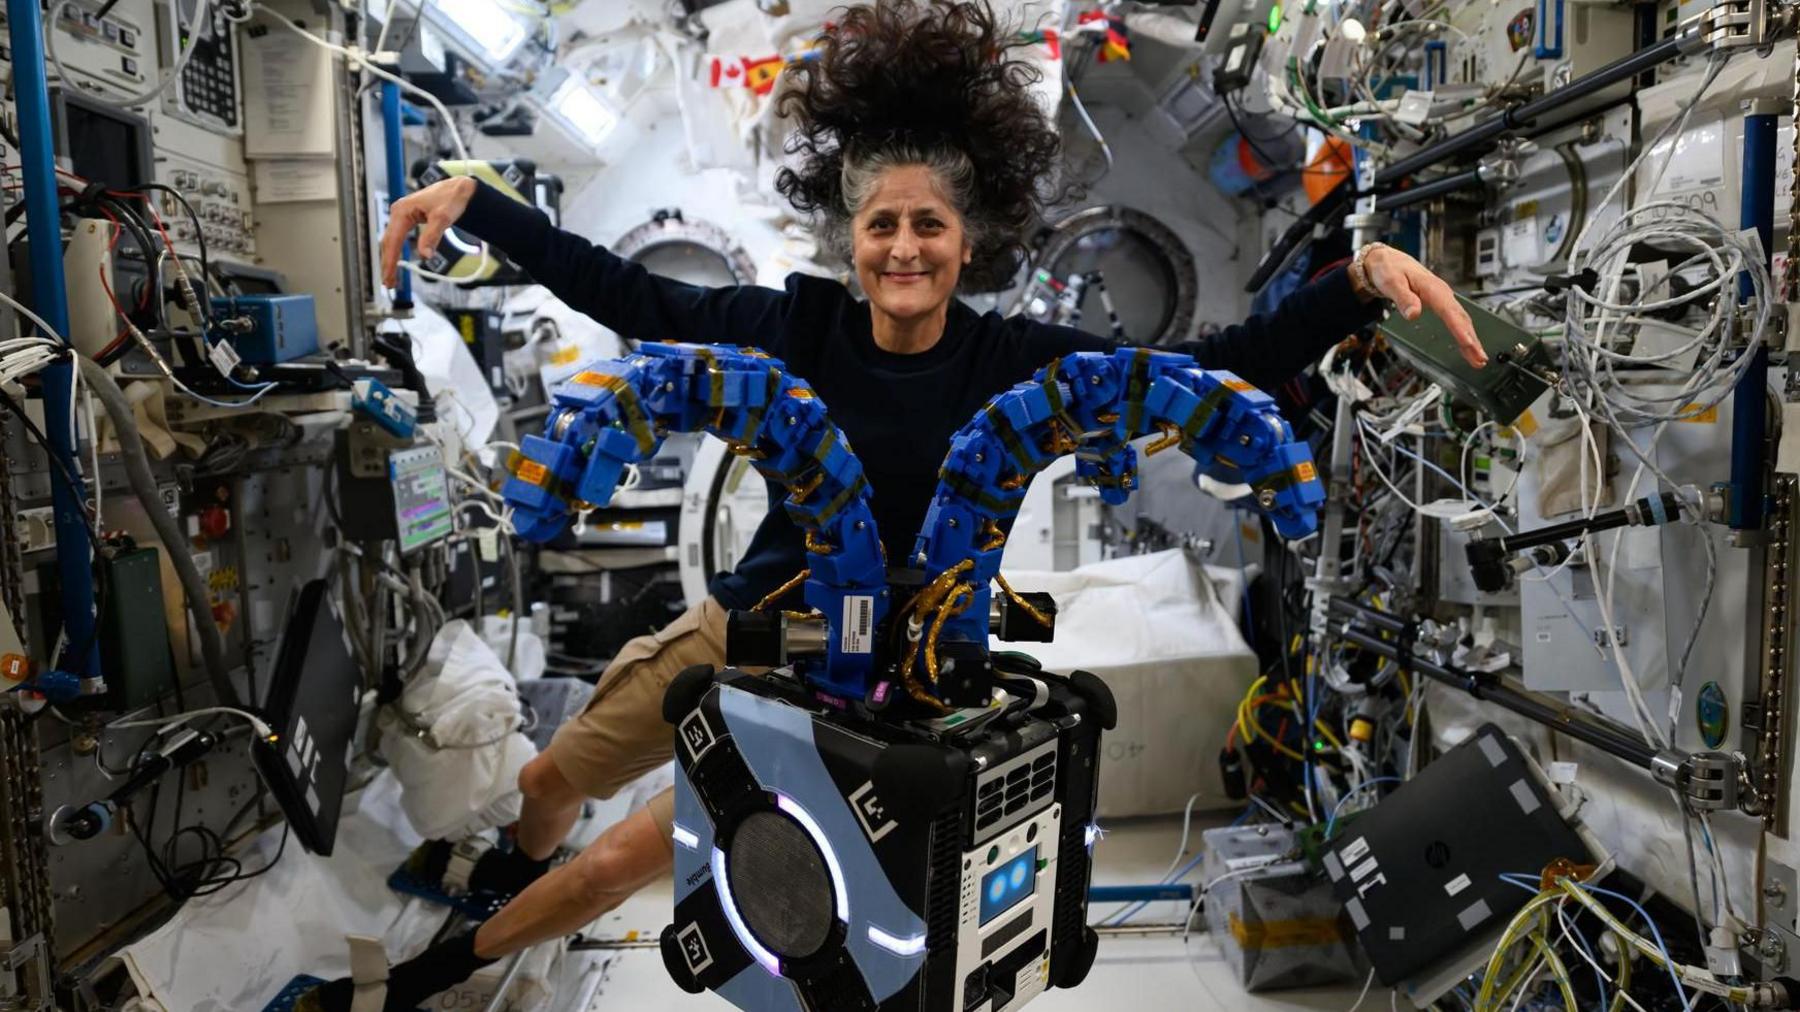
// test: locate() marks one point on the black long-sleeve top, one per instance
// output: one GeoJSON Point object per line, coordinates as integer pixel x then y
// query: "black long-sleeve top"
{"type": "Point", "coordinates": [898, 410]}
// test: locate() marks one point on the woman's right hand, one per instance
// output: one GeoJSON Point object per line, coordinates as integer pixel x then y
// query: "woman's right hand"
{"type": "Point", "coordinates": [436, 208]}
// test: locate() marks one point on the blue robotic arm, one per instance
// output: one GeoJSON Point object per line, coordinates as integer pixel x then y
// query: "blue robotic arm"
{"type": "Point", "coordinates": [616, 412]}
{"type": "Point", "coordinates": [1093, 405]}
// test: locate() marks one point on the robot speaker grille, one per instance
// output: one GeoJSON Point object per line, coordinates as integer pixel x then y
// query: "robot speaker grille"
{"type": "Point", "coordinates": [780, 884]}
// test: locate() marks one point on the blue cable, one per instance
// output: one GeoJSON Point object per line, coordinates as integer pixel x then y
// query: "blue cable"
{"type": "Point", "coordinates": [1530, 884]}
{"type": "Point", "coordinates": [1331, 823]}
{"type": "Point", "coordinates": [1176, 876]}
{"type": "Point", "coordinates": [1183, 872]}
{"type": "Point", "coordinates": [1655, 933]}
{"type": "Point", "coordinates": [1587, 950]}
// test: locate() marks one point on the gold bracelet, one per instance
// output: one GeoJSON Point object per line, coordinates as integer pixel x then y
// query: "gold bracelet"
{"type": "Point", "coordinates": [1359, 273]}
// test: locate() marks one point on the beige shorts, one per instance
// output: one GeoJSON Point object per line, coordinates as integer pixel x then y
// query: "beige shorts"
{"type": "Point", "coordinates": [621, 734]}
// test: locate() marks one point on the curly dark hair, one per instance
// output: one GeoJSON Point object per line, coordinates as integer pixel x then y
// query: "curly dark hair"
{"type": "Point", "coordinates": [901, 82]}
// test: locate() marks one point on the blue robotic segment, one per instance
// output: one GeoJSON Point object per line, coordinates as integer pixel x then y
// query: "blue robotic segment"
{"type": "Point", "coordinates": [616, 412]}
{"type": "Point", "coordinates": [1092, 405]}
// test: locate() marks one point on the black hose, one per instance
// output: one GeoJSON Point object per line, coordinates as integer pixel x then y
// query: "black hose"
{"type": "Point", "coordinates": [1490, 129]}
{"type": "Point", "coordinates": [1465, 180]}
{"type": "Point", "coordinates": [1525, 703]}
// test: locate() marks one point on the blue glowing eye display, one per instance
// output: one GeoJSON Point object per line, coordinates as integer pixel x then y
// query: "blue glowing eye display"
{"type": "Point", "coordinates": [1005, 886]}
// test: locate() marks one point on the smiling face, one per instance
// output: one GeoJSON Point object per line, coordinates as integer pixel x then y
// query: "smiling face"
{"type": "Point", "coordinates": [908, 245]}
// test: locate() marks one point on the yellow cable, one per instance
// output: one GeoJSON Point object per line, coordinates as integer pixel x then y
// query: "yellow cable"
{"type": "Point", "coordinates": [1330, 735]}
{"type": "Point", "coordinates": [1649, 949]}
{"type": "Point", "coordinates": [779, 592]}
{"type": "Point", "coordinates": [1514, 933]}
{"type": "Point", "coordinates": [963, 592]}
{"type": "Point", "coordinates": [1036, 614]}
{"type": "Point", "coordinates": [1271, 739]}
{"type": "Point", "coordinates": [1242, 726]}
{"type": "Point", "coordinates": [1558, 971]}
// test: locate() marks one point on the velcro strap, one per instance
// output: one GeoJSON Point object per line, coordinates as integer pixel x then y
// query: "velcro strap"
{"type": "Point", "coordinates": [637, 424]}
{"type": "Point", "coordinates": [1052, 388]}
{"type": "Point", "coordinates": [1137, 387]}
{"type": "Point", "coordinates": [368, 972]}
{"type": "Point", "coordinates": [842, 499]}
{"type": "Point", "coordinates": [1008, 436]}
{"type": "Point", "coordinates": [463, 859]}
{"type": "Point", "coordinates": [715, 377]}
{"type": "Point", "coordinates": [961, 485]}
{"type": "Point", "coordinates": [1209, 405]}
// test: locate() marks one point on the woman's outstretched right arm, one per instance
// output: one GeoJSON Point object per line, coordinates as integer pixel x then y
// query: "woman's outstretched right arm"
{"type": "Point", "coordinates": [615, 291]}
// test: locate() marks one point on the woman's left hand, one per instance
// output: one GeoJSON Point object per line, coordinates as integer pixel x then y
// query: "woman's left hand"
{"type": "Point", "coordinates": [1412, 288]}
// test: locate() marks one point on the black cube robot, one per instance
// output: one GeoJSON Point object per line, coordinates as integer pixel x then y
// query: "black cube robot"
{"type": "Point", "coordinates": [825, 861]}
{"type": "Point", "coordinates": [894, 817]}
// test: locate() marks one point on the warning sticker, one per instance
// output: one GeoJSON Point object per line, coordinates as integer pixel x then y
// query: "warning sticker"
{"type": "Point", "coordinates": [858, 625]}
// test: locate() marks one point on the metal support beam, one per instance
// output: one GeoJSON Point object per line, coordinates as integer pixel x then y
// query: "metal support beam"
{"type": "Point", "coordinates": [43, 226]}
{"type": "Point", "coordinates": [395, 145]}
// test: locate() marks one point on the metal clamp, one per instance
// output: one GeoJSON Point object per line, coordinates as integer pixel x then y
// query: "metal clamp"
{"type": "Point", "coordinates": [1708, 781]}
{"type": "Point", "coordinates": [1742, 24]}
{"type": "Point", "coordinates": [1500, 169]}
{"type": "Point", "coordinates": [35, 952]}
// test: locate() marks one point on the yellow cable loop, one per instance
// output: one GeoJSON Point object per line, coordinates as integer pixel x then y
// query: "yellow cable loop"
{"type": "Point", "coordinates": [1060, 441]}
{"type": "Point", "coordinates": [805, 490]}
{"type": "Point", "coordinates": [1171, 436]}
{"type": "Point", "coordinates": [818, 545]}
{"type": "Point", "coordinates": [996, 536]}
{"type": "Point", "coordinates": [1015, 482]}
{"type": "Point", "coordinates": [779, 592]}
{"type": "Point", "coordinates": [1036, 614]}
{"type": "Point", "coordinates": [1274, 743]}
{"type": "Point", "coordinates": [1636, 942]}
{"type": "Point", "coordinates": [1244, 727]}
{"type": "Point", "coordinates": [933, 594]}
{"type": "Point", "coordinates": [964, 592]}
{"type": "Point", "coordinates": [910, 682]}
{"type": "Point", "coordinates": [924, 603]}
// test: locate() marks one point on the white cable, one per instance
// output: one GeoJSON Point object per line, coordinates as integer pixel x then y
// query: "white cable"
{"type": "Point", "coordinates": [362, 60]}
{"type": "Point", "coordinates": [1367, 984]}
{"type": "Point", "coordinates": [1200, 895]}
{"type": "Point", "coordinates": [21, 309]}
{"type": "Point", "coordinates": [168, 372]}
{"type": "Point", "coordinates": [1088, 121]}
{"type": "Point", "coordinates": [1187, 823]}
{"type": "Point", "coordinates": [257, 724]}
{"type": "Point", "coordinates": [169, 76]}
{"type": "Point", "coordinates": [93, 434]}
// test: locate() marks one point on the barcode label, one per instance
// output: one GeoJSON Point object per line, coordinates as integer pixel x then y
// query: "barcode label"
{"type": "Point", "coordinates": [859, 622]}
{"type": "Point", "coordinates": [224, 357]}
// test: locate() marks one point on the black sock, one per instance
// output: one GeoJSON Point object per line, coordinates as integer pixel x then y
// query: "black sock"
{"type": "Point", "coordinates": [506, 871]}
{"type": "Point", "coordinates": [429, 859]}
{"type": "Point", "coordinates": [437, 969]}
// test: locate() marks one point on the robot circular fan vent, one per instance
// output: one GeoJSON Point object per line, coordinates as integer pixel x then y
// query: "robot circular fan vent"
{"type": "Point", "coordinates": [780, 884]}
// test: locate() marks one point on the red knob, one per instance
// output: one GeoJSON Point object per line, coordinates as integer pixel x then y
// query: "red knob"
{"type": "Point", "coordinates": [214, 522]}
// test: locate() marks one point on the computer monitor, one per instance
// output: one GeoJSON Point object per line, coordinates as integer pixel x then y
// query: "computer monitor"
{"type": "Point", "coordinates": [312, 707]}
{"type": "Point", "coordinates": [102, 144]}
